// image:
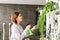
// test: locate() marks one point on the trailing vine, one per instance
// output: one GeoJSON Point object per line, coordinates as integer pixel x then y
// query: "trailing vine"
{"type": "Point", "coordinates": [49, 6]}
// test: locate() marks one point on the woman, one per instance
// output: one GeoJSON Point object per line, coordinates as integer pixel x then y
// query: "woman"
{"type": "Point", "coordinates": [17, 32]}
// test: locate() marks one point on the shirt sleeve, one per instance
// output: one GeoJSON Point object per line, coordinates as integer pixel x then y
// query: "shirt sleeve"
{"type": "Point", "coordinates": [24, 33]}
{"type": "Point", "coordinates": [16, 33]}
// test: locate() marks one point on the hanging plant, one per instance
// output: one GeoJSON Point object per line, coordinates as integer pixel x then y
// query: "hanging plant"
{"type": "Point", "coordinates": [49, 6]}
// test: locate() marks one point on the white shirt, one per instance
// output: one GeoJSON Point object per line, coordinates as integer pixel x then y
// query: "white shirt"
{"type": "Point", "coordinates": [17, 32]}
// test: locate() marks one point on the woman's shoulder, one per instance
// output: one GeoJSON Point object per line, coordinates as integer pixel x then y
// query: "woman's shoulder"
{"type": "Point", "coordinates": [14, 26]}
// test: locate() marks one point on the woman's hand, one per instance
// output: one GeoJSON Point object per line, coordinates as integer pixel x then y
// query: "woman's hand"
{"type": "Point", "coordinates": [34, 27]}
{"type": "Point", "coordinates": [28, 26]}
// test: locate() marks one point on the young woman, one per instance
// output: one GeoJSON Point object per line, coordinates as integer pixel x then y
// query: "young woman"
{"type": "Point", "coordinates": [17, 32]}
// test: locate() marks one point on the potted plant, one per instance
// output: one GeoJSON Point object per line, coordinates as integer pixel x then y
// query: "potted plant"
{"type": "Point", "coordinates": [49, 6]}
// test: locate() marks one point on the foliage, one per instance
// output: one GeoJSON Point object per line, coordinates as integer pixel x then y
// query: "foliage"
{"type": "Point", "coordinates": [49, 6]}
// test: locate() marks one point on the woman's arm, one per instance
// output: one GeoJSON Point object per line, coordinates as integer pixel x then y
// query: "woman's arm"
{"type": "Point", "coordinates": [24, 33]}
{"type": "Point", "coordinates": [34, 27]}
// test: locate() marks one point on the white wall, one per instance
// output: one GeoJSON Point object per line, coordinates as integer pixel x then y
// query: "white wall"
{"type": "Point", "coordinates": [53, 0]}
{"type": "Point", "coordinates": [31, 2]}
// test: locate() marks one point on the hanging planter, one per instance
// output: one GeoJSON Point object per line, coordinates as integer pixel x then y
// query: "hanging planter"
{"type": "Point", "coordinates": [50, 6]}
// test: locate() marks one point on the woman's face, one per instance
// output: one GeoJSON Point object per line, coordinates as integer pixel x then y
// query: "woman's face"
{"type": "Point", "coordinates": [19, 18]}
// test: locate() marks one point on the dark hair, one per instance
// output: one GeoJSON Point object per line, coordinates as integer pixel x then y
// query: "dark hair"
{"type": "Point", "coordinates": [14, 16]}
